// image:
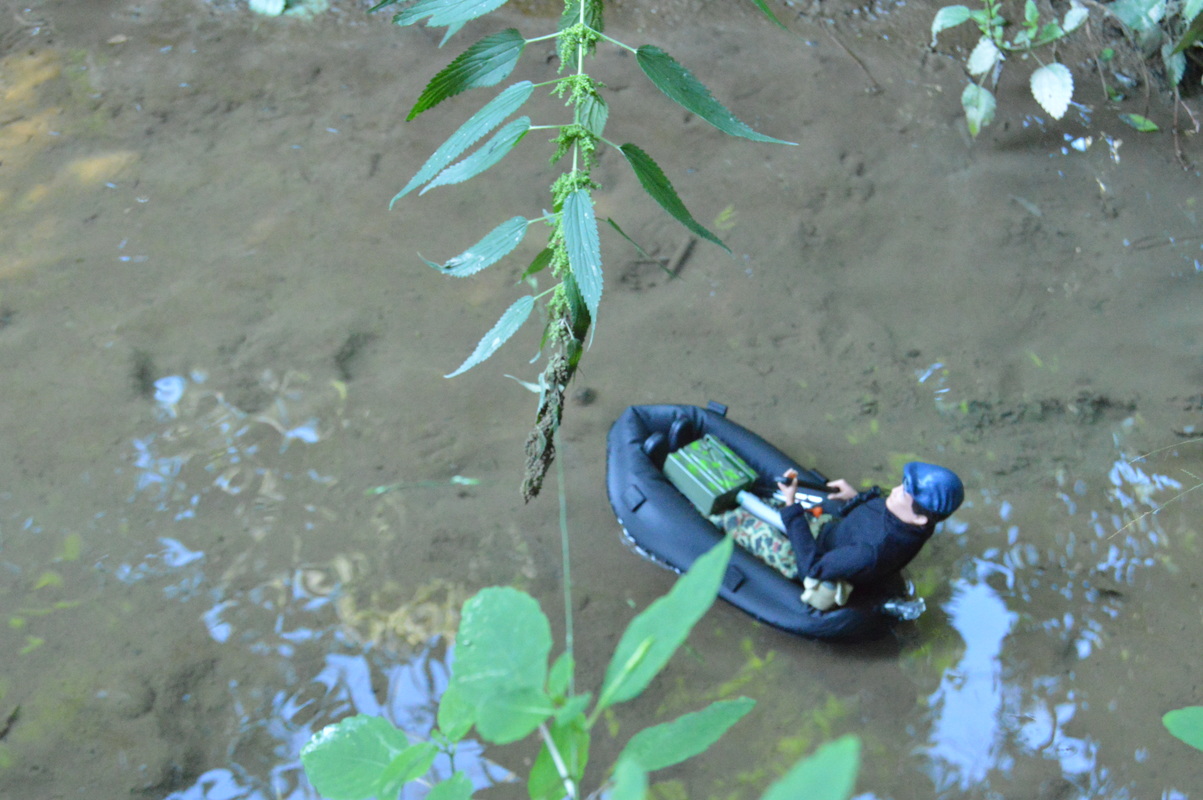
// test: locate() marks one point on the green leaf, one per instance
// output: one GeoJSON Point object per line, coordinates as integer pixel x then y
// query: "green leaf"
{"type": "Point", "coordinates": [1186, 724]}
{"type": "Point", "coordinates": [575, 706]}
{"type": "Point", "coordinates": [571, 739]}
{"type": "Point", "coordinates": [561, 675]}
{"type": "Point", "coordinates": [1048, 33]}
{"type": "Point", "coordinates": [984, 56]}
{"type": "Point", "coordinates": [1053, 87]}
{"type": "Point", "coordinates": [486, 63]}
{"type": "Point", "coordinates": [656, 184]}
{"type": "Point", "coordinates": [539, 263]}
{"type": "Point", "coordinates": [510, 322]}
{"type": "Point", "coordinates": [1193, 33]}
{"type": "Point", "coordinates": [948, 17]}
{"type": "Point", "coordinates": [408, 765]}
{"type": "Point", "coordinates": [483, 121]}
{"type": "Point", "coordinates": [680, 86]}
{"type": "Point", "coordinates": [1077, 15]}
{"type": "Point", "coordinates": [764, 8]}
{"type": "Point", "coordinates": [630, 782]}
{"type": "Point", "coordinates": [457, 787]}
{"type": "Point", "coordinates": [1142, 124]}
{"type": "Point", "coordinates": [979, 108]}
{"type": "Point", "coordinates": [451, 13]}
{"type": "Point", "coordinates": [584, 247]}
{"type": "Point", "coordinates": [508, 716]}
{"type": "Point", "coordinates": [1031, 14]}
{"type": "Point", "coordinates": [685, 737]}
{"type": "Point", "coordinates": [829, 774]}
{"type": "Point", "coordinates": [592, 114]}
{"type": "Point", "coordinates": [593, 15]}
{"type": "Point", "coordinates": [456, 715]}
{"type": "Point", "coordinates": [347, 760]}
{"type": "Point", "coordinates": [489, 154]}
{"type": "Point", "coordinates": [1191, 9]}
{"type": "Point", "coordinates": [668, 622]}
{"type": "Point", "coordinates": [1175, 63]}
{"type": "Point", "coordinates": [499, 243]}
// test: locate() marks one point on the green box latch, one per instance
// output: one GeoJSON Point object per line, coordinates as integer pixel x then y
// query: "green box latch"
{"type": "Point", "coordinates": [709, 473]}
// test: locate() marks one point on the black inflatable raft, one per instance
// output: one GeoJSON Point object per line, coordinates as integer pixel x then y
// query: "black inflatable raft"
{"type": "Point", "coordinates": [663, 526]}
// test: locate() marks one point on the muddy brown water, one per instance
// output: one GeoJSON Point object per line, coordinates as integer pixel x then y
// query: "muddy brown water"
{"type": "Point", "coordinates": [192, 585]}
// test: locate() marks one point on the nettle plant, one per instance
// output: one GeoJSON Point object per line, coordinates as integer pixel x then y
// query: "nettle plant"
{"type": "Point", "coordinates": [1052, 84]}
{"type": "Point", "coordinates": [503, 686]}
{"type": "Point", "coordinates": [572, 255]}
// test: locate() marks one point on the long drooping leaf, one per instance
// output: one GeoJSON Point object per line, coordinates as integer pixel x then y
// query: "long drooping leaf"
{"type": "Point", "coordinates": [486, 63]}
{"type": "Point", "coordinates": [686, 736]}
{"type": "Point", "coordinates": [764, 8]}
{"type": "Point", "coordinates": [829, 774]}
{"type": "Point", "coordinates": [499, 243]}
{"type": "Point", "coordinates": [510, 322]}
{"type": "Point", "coordinates": [584, 247]}
{"type": "Point", "coordinates": [451, 13]}
{"type": "Point", "coordinates": [630, 781]}
{"type": "Point", "coordinates": [480, 123]}
{"type": "Point", "coordinates": [488, 155]}
{"type": "Point", "coordinates": [656, 184]}
{"type": "Point", "coordinates": [683, 88]}
{"type": "Point", "coordinates": [667, 622]}
{"type": "Point", "coordinates": [346, 761]}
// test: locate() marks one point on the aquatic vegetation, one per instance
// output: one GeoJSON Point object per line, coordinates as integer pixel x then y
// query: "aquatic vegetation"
{"type": "Point", "coordinates": [572, 256]}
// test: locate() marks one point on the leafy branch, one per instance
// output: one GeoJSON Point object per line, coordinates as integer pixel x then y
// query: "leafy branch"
{"type": "Point", "coordinates": [572, 255]}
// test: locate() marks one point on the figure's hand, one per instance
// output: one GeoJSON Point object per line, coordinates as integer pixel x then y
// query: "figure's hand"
{"type": "Point", "coordinates": [788, 490]}
{"type": "Point", "coordinates": [841, 490]}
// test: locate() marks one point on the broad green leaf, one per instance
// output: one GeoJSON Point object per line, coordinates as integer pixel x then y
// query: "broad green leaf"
{"type": "Point", "coordinates": [347, 760]}
{"type": "Point", "coordinates": [948, 17]}
{"type": "Point", "coordinates": [584, 247]}
{"type": "Point", "coordinates": [592, 113]}
{"type": "Point", "coordinates": [1142, 124]}
{"type": "Point", "coordinates": [686, 736]}
{"type": "Point", "coordinates": [1193, 33]}
{"type": "Point", "coordinates": [560, 677]}
{"type": "Point", "coordinates": [574, 707]}
{"type": "Point", "coordinates": [539, 263]}
{"type": "Point", "coordinates": [1077, 15]}
{"type": "Point", "coordinates": [979, 108]}
{"type": "Point", "coordinates": [1186, 724]}
{"type": "Point", "coordinates": [984, 56]}
{"type": "Point", "coordinates": [500, 242]}
{"type": "Point", "coordinates": [764, 8]}
{"type": "Point", "coordinates": [450, 13]}
{"type": "Point", "coordinates": [668, 622]}
{"type": "Point", "coordinates": [510, 322]}
{"type": "Point", "coordinates": [457, 787]}
{"type": "Point", "coordinates": [1048, 33]}
{"type": "Point", "coordinates": [489, 154]}
{"type": "Point", "coordinates": [486, 63]}
{"type": "Point", "coordinates": [456, 715]}
{"type": "Point", "coordinates": [571, 739]}
{"type": "Point", "coordinates": [680, 86]}
{"type": "Point", "coordinates": [1175, 63]}
{"type": "Point", "coordinates": [503, 642]}
{"type": "Point", "coordinates": [1139, 16]}
{"type": "Point", "coordinates": [630, 782]}
{"type": "Point", "coordinates": [656, 184]}
{"type": "Point", "coordinates": [1053, 87]}
{"type": "Point", "coordinates": [508, 716]}
{"type": "Point", "coordinates": [480, 123]}
{"type": "Point", "coordinates": [829, 774]}
{"type": "Point", "coordinates": [593, 14]}
{"type": "Point", "coordinates": [408, 765]}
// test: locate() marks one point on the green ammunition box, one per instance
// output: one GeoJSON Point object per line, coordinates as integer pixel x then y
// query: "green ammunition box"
{"type": "Point", "coordinates": [709, 473]}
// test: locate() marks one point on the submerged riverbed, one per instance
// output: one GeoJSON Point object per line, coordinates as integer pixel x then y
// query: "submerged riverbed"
{"type": "Point", "coordinates": [200, 572]}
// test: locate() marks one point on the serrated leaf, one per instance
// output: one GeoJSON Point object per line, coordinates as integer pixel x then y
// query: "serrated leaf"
{"type": "Point", "coordinates": [686, 736]}
{"type": "Point", "coordinates": [656, 184]}
{"type": "Point", "coordinates": [450, 13]}
{"type": "Point", "coordinates": [984, 56]}
{"type": "Point", "coordinates": [1053, 87]}
{"type": "Point", "coordinates": [630, 782]}
{"type": "Point", "coordinates": [592, 113]}
{"type": "Point", "coordinates": [539, 263]}
{"type": "Point", "coordinates": [948, 17]}
{"type": "Point", "coordinates": [1175, 63]}
{"type": "Point", "coordinates": [584, 247]}
{"type": "Point", "coordinates": [1142, 124]}
{"type": "Point", "coordinates": [1186, 724]}
{"type": "Point", "coordinates": [829, 774]}
{"type": "Point", "coordinates": [764, 9]}
{"type": "Point", "coordinates": [489, 117]}
{"type": "Point", "coordinates": [498, 335]}
{"type": "Point", "coordinates": [1077, 15]}
{"type": "Point", "coordinates": [487, 156]}
{"type": "Point", "coordinates": [499, 243]}
{"type": "Point", "coordinates": [346, 761]}
{"type": "Point", "coordinates": [485, 63]}
{"type": "Point", "coordinates": [457, 787]}
{"type": "Point", "coordinates": [680, 86]}
{"type": "Point", "coordinates": [979, 108]}
{"type": "Point", "coordinates": [667, 622]}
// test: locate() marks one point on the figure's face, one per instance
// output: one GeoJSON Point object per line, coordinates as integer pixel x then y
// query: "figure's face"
{"type": "Point", "coordinates": [900, 503]}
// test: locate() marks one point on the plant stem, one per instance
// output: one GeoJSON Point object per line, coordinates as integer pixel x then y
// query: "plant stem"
{"type": "Point", "coordinates": [557, 759]}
